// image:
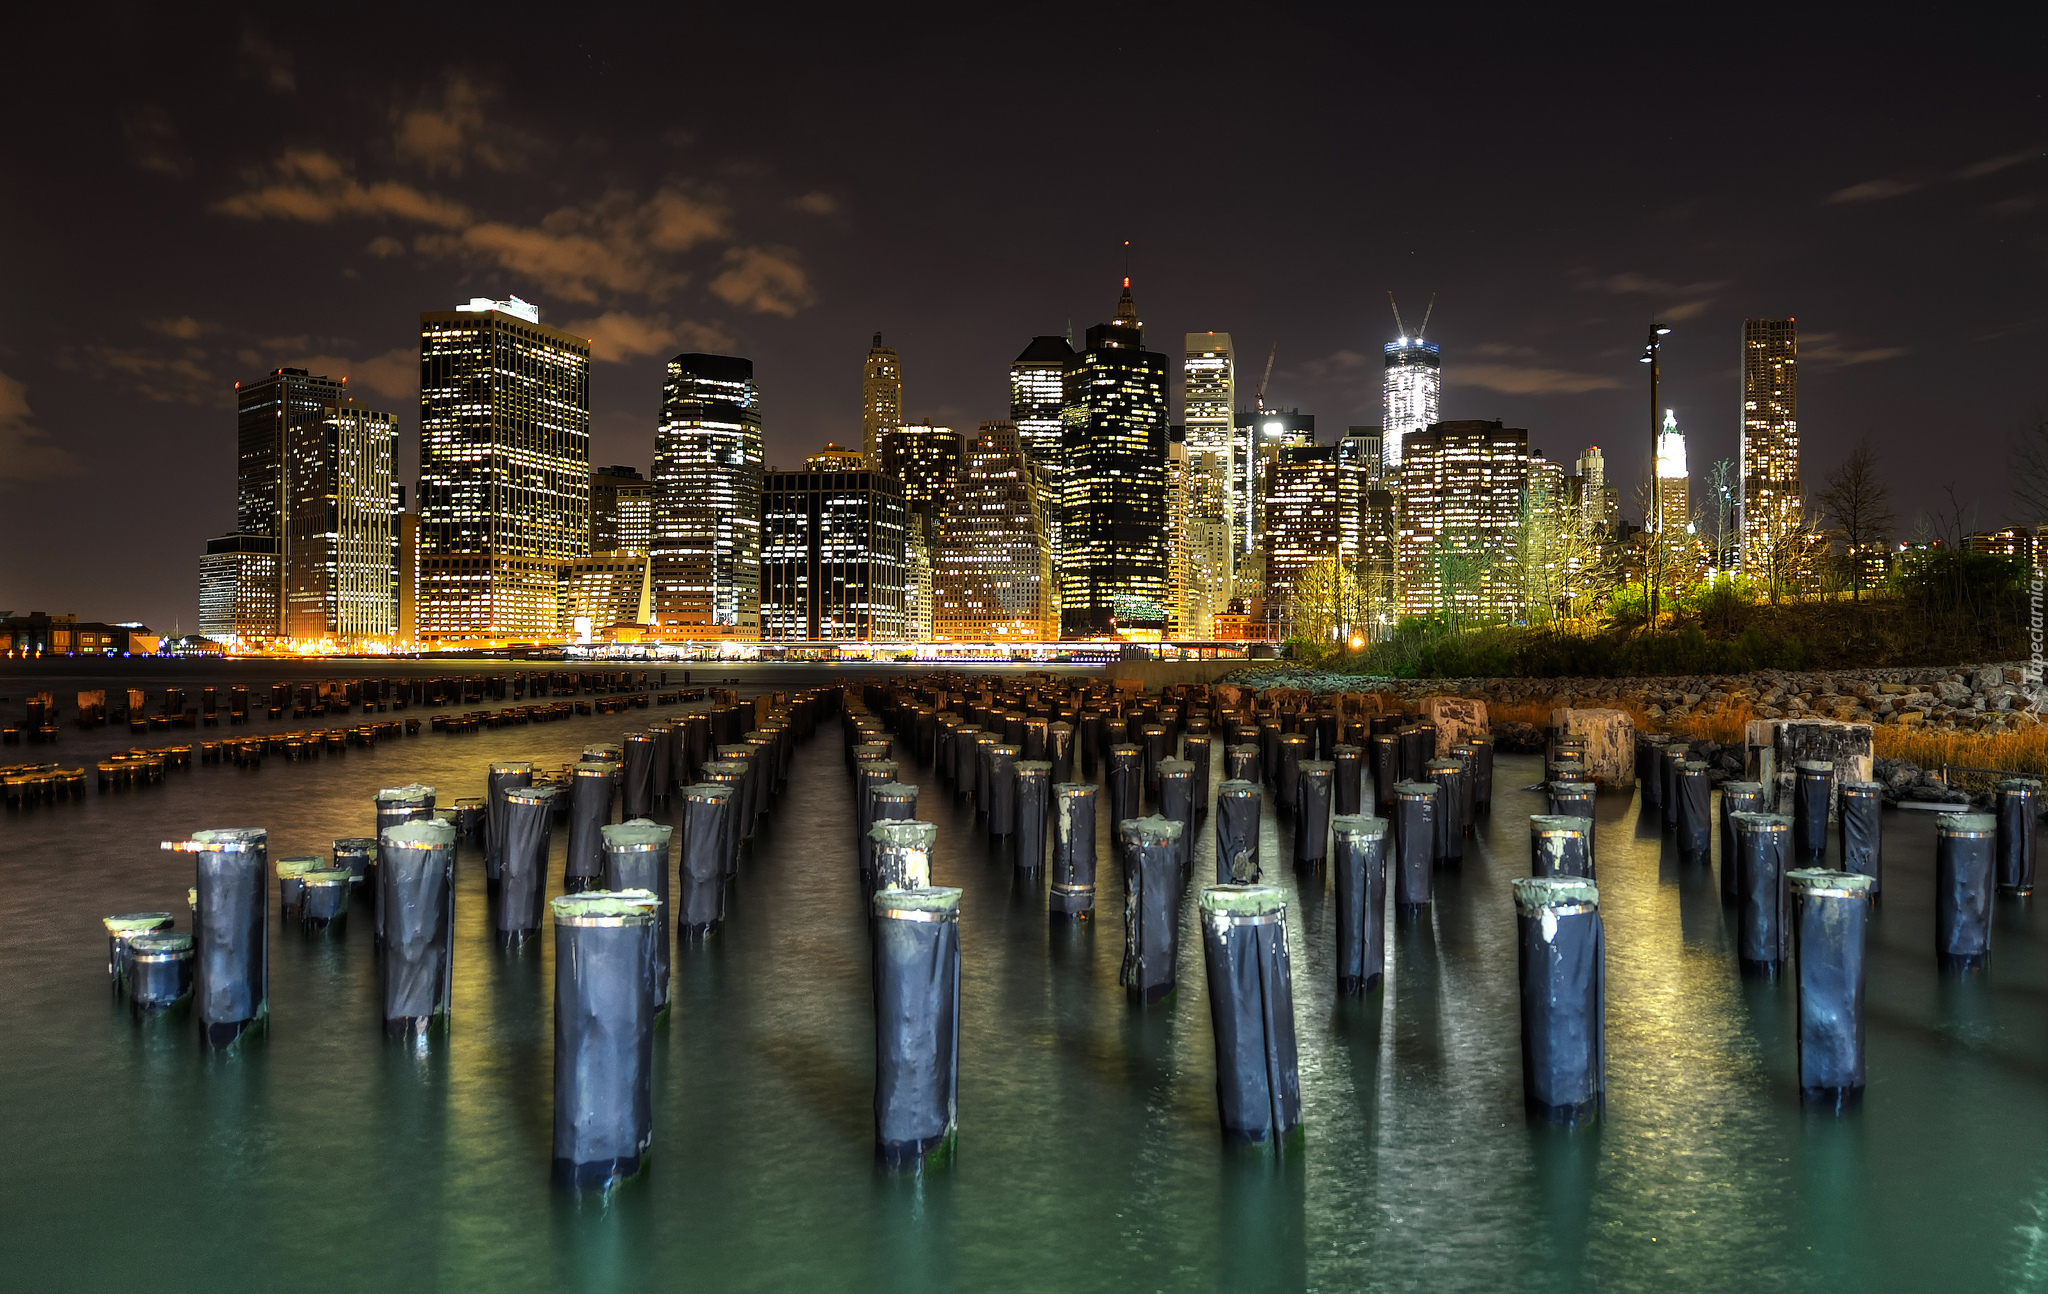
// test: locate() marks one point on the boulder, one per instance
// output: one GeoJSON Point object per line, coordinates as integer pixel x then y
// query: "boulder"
{"type": "Point", "coordinates": [1610, 743]}
{"type": "Point", "coordinates": [1776, 746]}
{"type": "Point", "coordinates": [1456, 718]}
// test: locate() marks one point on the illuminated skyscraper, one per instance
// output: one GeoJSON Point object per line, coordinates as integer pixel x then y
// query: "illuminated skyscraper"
{"type": "Point", "coordinates": [1461, 500]}
{"type": "Point", "coordinates": [1037, 404]}
{"type": "Point", "coordinates": [926, 460]}
{"type": "Point", "coordinates": [1263, 434]}
{"type": "Point", "coordinates": [621, 511]}
{"type": "Point", "coordinates": [1113, 555]}
{"type": "Point", "coordinates": [268, 412]}
{"type": "Point", "coordinates": [707, 500]}
{"type": "Point", "coordinates": [239, 589]}
{"type": "Point", "coordinates": [832, 552]}
{"type": "Point", "coordinates": [504, 470]}
{"type": "Point", "coordinates": [1771, 500]}
{"type": "Point", "coordinates": [337, 533]}
{"type": "Point", "coordinates": [1674, 502]}
{"type": "Point", "coordinates": [992, 571]}
{"type": "Point", "coordinates": [881, 398]}
{"type": "Point", "coordinates": [1414, 382]}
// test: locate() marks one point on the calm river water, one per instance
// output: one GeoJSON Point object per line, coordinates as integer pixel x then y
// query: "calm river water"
{"type": "Point", "coordinates": [319, 1156]}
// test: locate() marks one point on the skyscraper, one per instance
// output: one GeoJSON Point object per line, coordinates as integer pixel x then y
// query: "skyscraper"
{"type": "Point", "coordinates": [881, 398]}
{"type": "Point", "coordinates": [1113, 558]}
{"type": "Point", "coordinates": [1264, 433]}
{"type": "Point", "coordinates": [707, 500]}
{"type": "Point", "coordinates": [239, 588]}
{"type": "Point", "coordinates": [992, 573]}
{"type": "Point", "coordinates": [1414, 381]}
{"type": "Point", "coordinates": [504, 469]}
{"type": "Point", "coordinates": [832, 553]}
{"type": "Point", "coordinates": [1771, 500]}
{"type": "Point", "coordinates": [926, 460]}
{"type": "Point", "coordinates": [1037, 405]}
{"type": "Point", "coordinates": [1461, 501]}
{"type": "Point", "coordinates": [337, 526]}
{"type": "Point", "coordinates": [1674, 502]}
{"type": "Point", "coordinates": [268, 412]}
{"type": "Point", "coordinates": [621, 511]}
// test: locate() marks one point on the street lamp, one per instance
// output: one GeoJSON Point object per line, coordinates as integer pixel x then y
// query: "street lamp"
{"type": "Point", "coordinates": [1654, 523]}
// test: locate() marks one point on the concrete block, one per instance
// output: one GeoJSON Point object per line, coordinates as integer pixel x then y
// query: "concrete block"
{"type": "Point", "coordinates": [1774, 747]}
{"type": "Point", "coordinates": [1456, 718]}
{"type": "Point", "coordinates": [1610, 737]}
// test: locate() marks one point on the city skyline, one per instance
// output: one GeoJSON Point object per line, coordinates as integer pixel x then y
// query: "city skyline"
{"type": "Point", "coordinates": [287, 210]}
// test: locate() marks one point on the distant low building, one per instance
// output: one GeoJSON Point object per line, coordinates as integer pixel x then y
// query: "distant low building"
{"type": "Point", "coordinates": [40, 633]}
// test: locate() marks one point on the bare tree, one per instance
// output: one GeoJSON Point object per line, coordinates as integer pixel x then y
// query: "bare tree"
{"type": "Point", "coordinates": [1858, 501]}
{"type": "Point", "coordinates": [2028, 468]}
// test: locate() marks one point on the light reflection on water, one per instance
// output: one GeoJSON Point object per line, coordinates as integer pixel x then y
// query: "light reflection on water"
{"type": "Point", "coordinates": [323, 1157]}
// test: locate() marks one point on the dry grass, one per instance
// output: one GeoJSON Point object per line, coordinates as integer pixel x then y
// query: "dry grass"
{"type": "Point", "coordinates": [2024, 751]}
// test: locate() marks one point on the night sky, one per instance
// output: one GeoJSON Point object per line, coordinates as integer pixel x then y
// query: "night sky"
{"type": "Point", "coordinates": [195, 197]}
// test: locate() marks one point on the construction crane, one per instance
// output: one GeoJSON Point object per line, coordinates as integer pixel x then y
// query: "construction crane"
{"type": "Point", "coordinates": [1259, 399]}
{"type": "Point", "coordinates": [1404, 327]}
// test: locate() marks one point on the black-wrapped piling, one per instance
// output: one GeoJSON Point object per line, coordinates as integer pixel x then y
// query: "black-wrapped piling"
{"type": "Point", "coordinates": [1813, 796]}
{"type": "Point", "coordinates": [592, 784]}
{"type": "Point", "coordinates": [604, 1036]}
{"type": "Point", "coordinates": [1418, 747]}
{"type": "Point", "coordinates": [1482, 771]}
{"type": "Point", "coordinates": [1002, 790]}
{"type": "Point", "coordinates": [231, 965]}
{"type": "Point", "coordinates": [501, 779]}
{"type": "Point", "coordinates": [1251, 1013]}
{"type": "Point", "coordinates": [636, 778]}
{"type": "Point", "coordinates": [1177, 804]}
{"type": "Point", "coordinates": [1312, 788]}
{"type": "Point", "coordinates": [1073, 850]}
{"type": "Point", "coordinates": [1963, 876]}
{"type": "Point", "coordinates": [1695, 814]}
{"type": "Point", "coordinates": [1151, 906]}
{"type": "Point", "coordinates": [1736, 797]}
{"type": "Point", "coordinates": [1241, 763]}
{"type": "Point", "coordinates": [1560, 845]}
{"type": "Point", "coordinates": [526, 827]}
{"type": "Point", "coordinates": [417, 870]}
{"type": "Point", "coordinates": [2018, 810]}
{"type": "Point", "coordinates": [1032, 779]}
{"type": "Point", "coordinates": [291, 886]}
{"type": "Point", "coordinates": [965, 758]}
{"type": "Point", "coordinates": [916, 947]}
{"type": "Point", "coordinates": [1451, 781]}
{"type": "Point", "coordinates": [1348, 796]}
{"type": "Point", "coordinates": [903, 853]}
{"type": "Point", "coordinates": [1238, 806]}
{"type": "Point", "coordinates": [1415, 810]}
{"type": "Point", "coordinates": [730, 774]}
{"type": "Point", "coordinates": [1563, 991]}
{"type": "Point", "coordinates": [1059, 751]}
{"type": "Point", "coordinates": [1088, 741]}
{"type": "Point", "coordinates": [159, 973]}
{"type": "Point", "coordinates": [1360, 868]}
{"type": "Point", "coordinates": [1763, 849]}
{"type": "Point", "coordinates": [1384, 750]}
{"type": "Point", "coordinates": [700, 906]}
{"type": "Point", "coordinates": [1860, 808]}
{"type": "Point", "coordinates": [1668, 760]}
{"type": "Point", "coordinates": [325, 896]}
{"type": "Point", "coordinates": [636, 857]}
{"type": "Point", "coordinates": [1126, 784]}
{"type": "Point", "coordinates": [1291, 748]}
{"type": "Point", "coordinates": [125, 927]}
{"type": "Point", "coordinates": [1195, 749]}
{"type": "Point", "coordinates": [1831, 915]}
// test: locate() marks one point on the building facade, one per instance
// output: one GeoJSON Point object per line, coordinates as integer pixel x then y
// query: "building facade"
{"type": "Point", "coordinates": [992, 573]}
{"type": "Point", "coordinates": [1674, 484]}
{"type": "Point", "coordinates": [504, 494]}
{"type": "Point", "coordinates": [603, 591]}
{"type": "Point", "coordinates": [269, 412]}
{"type": "Point", "coordinates": [621, 511]}
{"type": "Point", "coordinates": [1038, 409]}
{"type": "Point", "coordinates": [707, 503]}
{"type": "Point", "coordinates": [1771, 501]}
{"type": "Point", "coordinates": [239, 589]}
{"type": "Point", "coordinates": [1461, 501]}
{"type": "Point", "coordinates": [1113, 558]}
{"type": "Point", "coordinates": [881, 398]}
{"type": "Point", "coordinates": [1413, 389]}
{"type": "Point", "coordinates": [832, 555]}
{"type": "Point", "coordinates": [337, 558]}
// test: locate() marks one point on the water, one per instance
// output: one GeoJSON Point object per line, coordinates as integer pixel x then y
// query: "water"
{"type": "Point", "coordinates": [322, 1156]}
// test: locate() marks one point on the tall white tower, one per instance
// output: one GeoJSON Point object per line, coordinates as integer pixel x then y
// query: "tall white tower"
{"type": "Point", "coordinates": [1414, 383]}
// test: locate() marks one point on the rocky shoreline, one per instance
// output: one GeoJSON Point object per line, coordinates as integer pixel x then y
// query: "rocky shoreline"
{"type": "Point", "coordinates": [1983, 699]}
